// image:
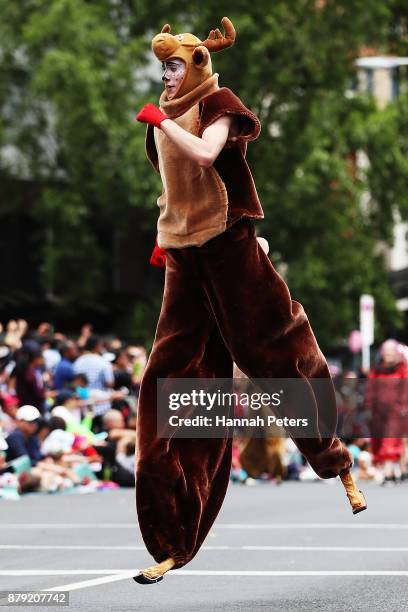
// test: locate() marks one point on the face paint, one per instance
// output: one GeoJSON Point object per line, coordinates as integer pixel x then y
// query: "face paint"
{"type": "Point", "coordinates": [173, 74]}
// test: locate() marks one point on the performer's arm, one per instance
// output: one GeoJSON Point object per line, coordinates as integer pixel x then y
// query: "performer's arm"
{"type": "Point", "coordinates": [203, 150]}
{"type": "Point", "coordinates": [206, 149]}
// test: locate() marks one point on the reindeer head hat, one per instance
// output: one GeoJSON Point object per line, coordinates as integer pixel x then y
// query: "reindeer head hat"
{"type": "Point", "coordinates": [194, 52]}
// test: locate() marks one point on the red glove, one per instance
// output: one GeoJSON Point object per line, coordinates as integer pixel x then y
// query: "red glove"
{"type": "Point", "coordinates": [158, 257]}
{"type": "Point", "coordinates": [151, 114]}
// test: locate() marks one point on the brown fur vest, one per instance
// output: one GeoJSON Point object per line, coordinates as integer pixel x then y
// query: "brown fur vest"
{"type": "Point", "coordinates": [198, 203]}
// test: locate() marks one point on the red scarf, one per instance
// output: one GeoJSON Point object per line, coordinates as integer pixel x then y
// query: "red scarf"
{"type": "Point", "coordinates": [158, 256]}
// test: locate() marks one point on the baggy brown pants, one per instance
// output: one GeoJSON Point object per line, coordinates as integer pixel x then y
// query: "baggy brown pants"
{"type": "Point", "coordinates": [223, 302]}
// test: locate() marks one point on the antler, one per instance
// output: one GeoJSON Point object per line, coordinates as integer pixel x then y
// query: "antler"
{"type": "Point", "coordinates": [216, 41]}
{"type": "Point", "coordinates": [166, 28]}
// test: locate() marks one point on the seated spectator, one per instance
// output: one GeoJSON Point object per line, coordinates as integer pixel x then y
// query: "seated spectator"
{"type": "Point", "coordinates": [97, 369]}
{"type": "Point", "coordinates": [293, 460]}
{"type": "Point", "coordinates": [64, 372]}
{"type": "Point", "coordinates": [28, 376]}
{"type": "Point", "coordinates": [114, 424]}
{"type": "Point", "coordinates": [69, 399]}
{"type": "Point", "coordinates": [3, 449]}
{"type": "Point", "coordinates": [56, 471]}
{"type": "Point", "coordinates": [8, 410]}
{"type": "Point", "coordinates": [355, 446]}
{"type": "Point", "coordinates": [237, 474]}
{"type": "Point", "coordinates": [75, 425]}
{"type": "Point", "coordinates": [114, 345]}
{"type": "Point", "coordinates": [117, 443]}
{"type": "Point", "coordinates": [23, 439]}
{"type": "Point", "coordinates": [122, 370]}
{"type": "Point", "coordinates": [51, 355]}
{"type": "Point", "coordinates": [43, 429]}
{"type": "Point", "coordinates": [365, 468]}
{"type": "Point", "coordinates": [28, 483]}
{"type": "Point", "coordinates": [123, 468]}
{"type": "Point", "coordinates": [5, 358]}
{"type": "Point", "coordinates": [83, 438]}
{"type": "Point", "coordinates": [58, 438]}
{"type": "Point", "coordinates": [137, 356]}
{"type": "Point", "coordinates": [80, 384]}
{"type": "Point", "coordinates": [82, 411]}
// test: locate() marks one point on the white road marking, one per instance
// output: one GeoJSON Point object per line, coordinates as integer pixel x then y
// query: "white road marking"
{"type": "Point", "coordinates": [71, 547]}
{"type": "Point", "coordinates": [210, 548]}
{"type": "Point", "coordinates": [311, 526]}
{"type": "Point", "coordinates": [330, 548]}
{"type": "Point", "coordinates": [125, 573]}
{"type": "Point", "coordinates": [58, 572]}
{"type": "Point", "coordinates": [92, 547]}
{"type": "Point", "coordinates": [117, 575]}
{"type": "Point", "coordinates": [83, 584]}
{"type": "Point", "coordinates": [291, 573]}
{"type": "Point", "coordinates": [216, 526]}
{"type": "Point", "coordinates": [68, 525]}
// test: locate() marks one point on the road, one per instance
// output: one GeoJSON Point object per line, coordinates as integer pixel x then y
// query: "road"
{"type": "Point", "coordinates": [291, 547]}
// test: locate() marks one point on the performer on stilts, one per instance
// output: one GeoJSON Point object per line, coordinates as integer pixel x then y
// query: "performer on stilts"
{"type": "Point", "coordinates": [223, 300]}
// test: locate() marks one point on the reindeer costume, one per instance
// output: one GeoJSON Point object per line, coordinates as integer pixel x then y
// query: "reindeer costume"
{"type": "Point", "coordinates": [223, 302]}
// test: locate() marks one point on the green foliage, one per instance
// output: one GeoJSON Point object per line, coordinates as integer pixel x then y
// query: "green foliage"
{"type": "Point", "coordinates": [141, 325]}
{"type": "Point", "coordinates": [387, 149]}
{"type": "Point", "coordinates": [293, 65]}
{"type": "Point", "coordinates": [73, 74]}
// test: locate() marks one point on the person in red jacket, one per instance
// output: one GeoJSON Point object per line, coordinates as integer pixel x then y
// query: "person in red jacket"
{"type": "Point", "coordinates": [223, 301]}
{"type": "Point", "coordinates": [386, 398]}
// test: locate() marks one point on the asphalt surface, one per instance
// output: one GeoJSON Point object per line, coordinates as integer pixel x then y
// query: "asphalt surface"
{"type": "Point", "coordinates": [291, 547]}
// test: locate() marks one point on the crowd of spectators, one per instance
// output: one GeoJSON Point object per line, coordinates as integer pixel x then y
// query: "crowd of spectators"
{"type": "Point", "coordinates": [68, 409]}
{"type": "Point", "coordinates": [68, 413]}
{"type": "Point", "coordinates": [372, 421]}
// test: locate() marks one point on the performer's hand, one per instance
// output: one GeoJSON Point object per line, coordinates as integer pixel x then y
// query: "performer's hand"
{"type": "Point", "coordinates": [151, 114]}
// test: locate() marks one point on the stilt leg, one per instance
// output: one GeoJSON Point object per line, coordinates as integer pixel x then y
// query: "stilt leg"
{"type": "Point", "coordinates": [356, 498]}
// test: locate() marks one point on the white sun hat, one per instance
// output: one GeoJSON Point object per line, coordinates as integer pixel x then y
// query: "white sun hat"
{"type": "Point", "coordinates": [28, 413]}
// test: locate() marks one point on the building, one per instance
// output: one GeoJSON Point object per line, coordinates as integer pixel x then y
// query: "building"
{"type": "Point", "coordinates": [380, 76]}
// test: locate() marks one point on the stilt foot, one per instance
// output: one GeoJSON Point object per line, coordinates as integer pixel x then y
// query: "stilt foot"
{"type": "Point", "coordinates": [153, 574]}
{"type": "Point", "coordinates": [355, 496]}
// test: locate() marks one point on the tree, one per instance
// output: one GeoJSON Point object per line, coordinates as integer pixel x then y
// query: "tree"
{"type": "Point", "coordinates": [77, 72]}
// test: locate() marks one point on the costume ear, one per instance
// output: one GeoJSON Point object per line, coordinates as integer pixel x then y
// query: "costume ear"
{"type": "Point", "coordinates": [201, 56]}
